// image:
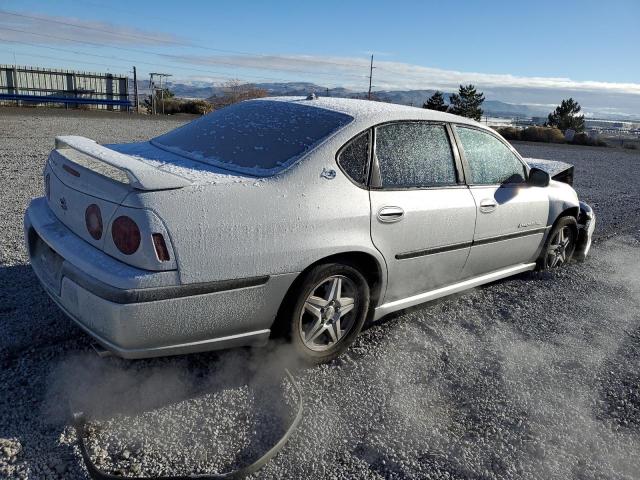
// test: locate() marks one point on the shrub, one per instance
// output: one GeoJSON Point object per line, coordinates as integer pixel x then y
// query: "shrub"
{"type": "Point", "coordinates": [543, 134]}
{"type": "Point", "coordinates": [198, 107]}
{"type": "Point", "coordinates": [510, 133]}
{"type": "Point", "coordinates": [176, 105]}
{"type": "Point", "coordinates": [584, 139]}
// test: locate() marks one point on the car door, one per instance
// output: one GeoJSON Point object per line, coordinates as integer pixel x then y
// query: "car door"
{"type": "Point", "coordinates": [422, 215]}
{"type": "Point", "coordinates": [512, 215]}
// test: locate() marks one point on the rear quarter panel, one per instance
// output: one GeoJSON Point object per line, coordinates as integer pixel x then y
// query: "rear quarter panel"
{"type": "Point", "coordinates": [276, 225]}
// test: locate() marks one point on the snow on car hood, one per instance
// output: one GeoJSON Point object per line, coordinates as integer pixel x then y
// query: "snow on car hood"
{"type": "Point", "coordinates": [196, 172]}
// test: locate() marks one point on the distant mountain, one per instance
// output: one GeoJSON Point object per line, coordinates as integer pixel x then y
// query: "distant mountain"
{"type": "Point", "coordinates": [403, 97]}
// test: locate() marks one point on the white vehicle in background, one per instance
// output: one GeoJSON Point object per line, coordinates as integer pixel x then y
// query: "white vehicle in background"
{"type": "Point", "coordinates": [302, 216]}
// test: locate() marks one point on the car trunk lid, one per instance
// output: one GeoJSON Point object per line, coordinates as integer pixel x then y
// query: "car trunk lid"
{"type": "Point", "coordinates": [81, 173]}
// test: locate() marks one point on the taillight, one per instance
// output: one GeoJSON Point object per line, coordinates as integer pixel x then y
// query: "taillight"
{"type": "Point", "coordinates": [93, 220]}
{"type": "Point", "coordinates": [125, 234]}
{"type": "Point", "coordinates": [47, 186]}
{"type": "Point", "coordinates": [161, 247]}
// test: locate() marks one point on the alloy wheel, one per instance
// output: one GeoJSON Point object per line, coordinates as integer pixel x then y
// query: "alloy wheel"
{"type": "Point", "coordinates": [559, 247]}
{"type": "Point", "coordinates": [329, 313]}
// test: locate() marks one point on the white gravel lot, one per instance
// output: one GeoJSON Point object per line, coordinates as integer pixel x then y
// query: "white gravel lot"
{"type": "Point", "coordinates": [537, 376]}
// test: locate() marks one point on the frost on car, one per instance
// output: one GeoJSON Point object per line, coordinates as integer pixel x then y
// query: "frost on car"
{"type": "Point", "coordinates": [289, 216]}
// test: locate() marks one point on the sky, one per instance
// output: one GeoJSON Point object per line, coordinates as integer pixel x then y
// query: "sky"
{"type": "Point", "coordinates": [520, 52]}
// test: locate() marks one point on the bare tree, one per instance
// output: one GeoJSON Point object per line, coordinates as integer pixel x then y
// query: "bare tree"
{"type": "Point", "coordinates": [235, 91]}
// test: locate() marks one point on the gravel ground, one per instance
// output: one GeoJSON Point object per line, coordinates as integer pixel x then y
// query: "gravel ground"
{"type": "Point", "coordinates": [537, 376]}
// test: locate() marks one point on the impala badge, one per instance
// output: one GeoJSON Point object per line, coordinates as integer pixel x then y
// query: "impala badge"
{"type": "Point", "coordinates": [63, 203]}
{"type": "Point", "coordinates": [529, 224]}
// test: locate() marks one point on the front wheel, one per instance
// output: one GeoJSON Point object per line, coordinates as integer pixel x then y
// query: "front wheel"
{"type": "Point", "coordinates": [328, 311]}
{"type": "Point", "coordinates": [560, 244]}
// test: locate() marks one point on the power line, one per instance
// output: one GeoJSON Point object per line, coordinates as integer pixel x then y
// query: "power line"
{"type": "Point", "coordinates": [94, 28]}
{"type": "Point", "coordinates": [62, 59]}
{"type": "Point", "coordinates": [169, 42]}
{"type": "Point", "coordinates": [129, 61]}
{"type": "Point", "coordinates": [106, 65]}
{"type": "Point", "coordinates": [169, 57]}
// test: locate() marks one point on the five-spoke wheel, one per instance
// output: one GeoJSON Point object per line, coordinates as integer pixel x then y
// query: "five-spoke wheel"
{"type": "Point", "coordinates": [328, 313]}
{"type": "Point", "coordinates": [331, 304]}
{"type": "Point", "coordinates": [560, 244]}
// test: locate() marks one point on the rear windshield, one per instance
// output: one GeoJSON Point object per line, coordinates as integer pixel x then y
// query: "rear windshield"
{"type": "Point", "coordinates": [259, 137]}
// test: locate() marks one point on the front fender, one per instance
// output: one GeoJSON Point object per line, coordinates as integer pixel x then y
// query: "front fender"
{"type": "Point", "coordinates": [562, 198]}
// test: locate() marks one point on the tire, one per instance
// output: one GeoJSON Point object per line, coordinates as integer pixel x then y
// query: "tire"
{"type": "Point", "coordinates": [314, 317]}
{"type": "Point", "coordinates": [560, 244]}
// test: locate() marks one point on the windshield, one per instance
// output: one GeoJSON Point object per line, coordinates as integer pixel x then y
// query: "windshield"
{"type": "Point", "coordinates": [255, 137]}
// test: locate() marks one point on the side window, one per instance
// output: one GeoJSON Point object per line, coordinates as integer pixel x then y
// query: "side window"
{"type": "Point", "coordinates": [354, 158]}
{"type": "Point", "coordinates": [490, 160]}
{"type": "Point", "coordinates": [414, 154]}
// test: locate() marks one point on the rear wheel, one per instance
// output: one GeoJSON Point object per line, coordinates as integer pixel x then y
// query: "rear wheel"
{"type": "Point", "coordinates": [327, 311]}
{"type": "Point", "coordinates": [560, 244]}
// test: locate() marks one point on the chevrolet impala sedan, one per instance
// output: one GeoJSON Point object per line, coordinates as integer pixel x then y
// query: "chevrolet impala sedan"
{"type": "Point", "coordinates": [296, 216]}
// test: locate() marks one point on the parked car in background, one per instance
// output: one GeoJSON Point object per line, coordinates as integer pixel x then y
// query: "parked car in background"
{"type": "Point", "coordinates": [290, 215]}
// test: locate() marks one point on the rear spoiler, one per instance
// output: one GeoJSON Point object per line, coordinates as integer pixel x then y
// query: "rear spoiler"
{"type": "Point", "coordinates": [560, 171]}
{"type": "Point", "coordinates": [141, 175]}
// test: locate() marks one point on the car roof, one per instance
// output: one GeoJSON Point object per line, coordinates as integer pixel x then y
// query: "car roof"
{"type": "Point", "coordinates": [372, 112]}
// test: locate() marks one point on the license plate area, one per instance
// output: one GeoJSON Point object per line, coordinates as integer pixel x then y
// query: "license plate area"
{"type": "Point", "coordinates": [48, 264]}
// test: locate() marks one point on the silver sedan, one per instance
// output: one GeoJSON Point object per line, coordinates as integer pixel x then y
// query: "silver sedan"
{"type": "Point", "coordinates": [301, 217]}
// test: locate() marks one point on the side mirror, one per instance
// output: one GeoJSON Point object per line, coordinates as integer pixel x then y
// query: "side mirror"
{"type": "Point", "coordinates": [538, 178]}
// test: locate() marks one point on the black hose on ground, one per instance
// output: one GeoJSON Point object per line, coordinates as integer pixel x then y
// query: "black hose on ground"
{"type": "Point", "coordinates": [79, 422]}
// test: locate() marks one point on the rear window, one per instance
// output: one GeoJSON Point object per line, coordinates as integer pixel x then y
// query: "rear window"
{"type": "Point", "coordinates": [256, 137]}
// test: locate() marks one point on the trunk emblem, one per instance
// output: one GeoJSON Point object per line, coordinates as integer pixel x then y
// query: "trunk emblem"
{"type": "Point", "coordinates": [63, 203]}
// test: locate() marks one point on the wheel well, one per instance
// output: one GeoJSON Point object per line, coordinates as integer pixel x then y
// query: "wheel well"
{"type": "Point", "coordinates": [365, 263]}
{"type": "Point", "coordinates": [569, 212]}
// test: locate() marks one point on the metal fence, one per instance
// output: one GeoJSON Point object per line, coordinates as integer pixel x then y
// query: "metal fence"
{"type": "Point", "coordinates": [45, 86]}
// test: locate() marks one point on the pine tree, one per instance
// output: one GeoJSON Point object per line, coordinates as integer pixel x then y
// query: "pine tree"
{"type": "Point", "coordinates": [436, 102]}
{"type": "Point", "coordinates": [565, 116]}
{"type": "Point", "coordinates": [467, 102]}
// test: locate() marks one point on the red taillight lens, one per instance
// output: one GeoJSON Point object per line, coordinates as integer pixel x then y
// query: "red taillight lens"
{"type": "Point", "coordinates": [93, 220]}
{"type": "Point", "coordinates": [126, 235]}
{"type": "Point", "coordinates": [161, 247]}
{"type": "Point", "coordinates": [47, 186]}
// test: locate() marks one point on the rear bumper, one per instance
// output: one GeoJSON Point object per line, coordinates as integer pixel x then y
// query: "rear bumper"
{"type": "Point", "coordinates": [586, 226]}
{"type": "Point", "coordinates": [139, 314]}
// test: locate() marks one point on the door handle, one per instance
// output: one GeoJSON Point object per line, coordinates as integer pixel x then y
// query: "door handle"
{"type": "Point", "coordinates": [390, 214]}
{"type": "Point", "coordinates": [488, 205]}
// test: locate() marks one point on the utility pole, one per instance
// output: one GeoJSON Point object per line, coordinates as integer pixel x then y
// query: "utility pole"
{"type": "Point", "coordinates": [152, 88]}
{"type": "Point", "coordinates": [135, 90]}
{"type": "Point", "coordinates": [370, 77]}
